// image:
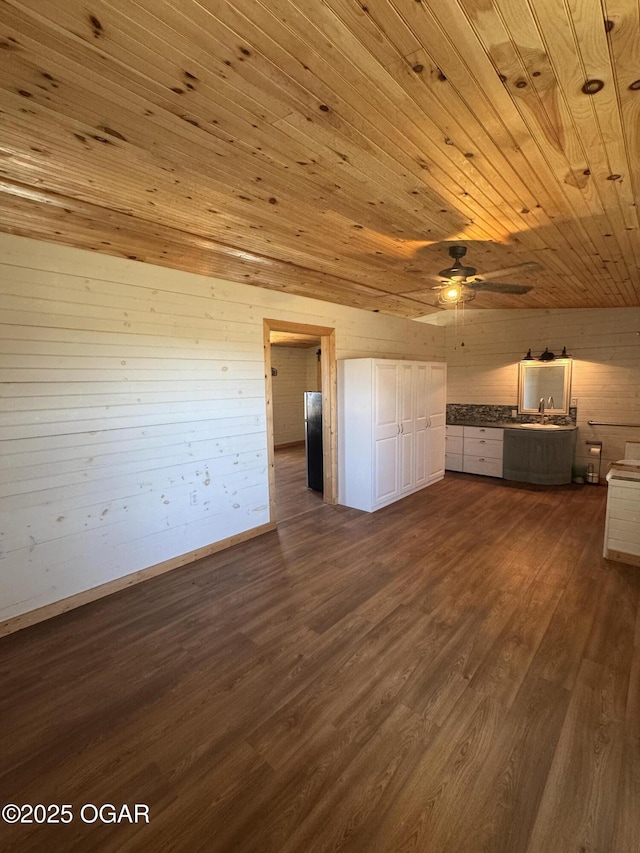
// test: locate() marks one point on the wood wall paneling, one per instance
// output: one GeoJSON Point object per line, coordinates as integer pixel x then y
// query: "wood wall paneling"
{"type": "Point", "coordinates": [132, 412]}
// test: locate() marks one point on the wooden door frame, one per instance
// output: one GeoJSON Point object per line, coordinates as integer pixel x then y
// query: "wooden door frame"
{"type": "Point", "coordinates": [327, 337]}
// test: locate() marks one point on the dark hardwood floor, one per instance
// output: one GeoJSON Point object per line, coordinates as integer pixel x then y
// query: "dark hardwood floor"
{"type": "Point", "coordinates": [293, 498]}
{"type": "Point", "coordinates": [458, 672]}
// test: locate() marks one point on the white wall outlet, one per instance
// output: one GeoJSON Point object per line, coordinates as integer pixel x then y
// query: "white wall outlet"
{"type": "Point", "coordinates": [514, 413]}
{"type": "Point", "coordinates": [193, 499]}
{"type": "Point", "coordinates": [574, 401]}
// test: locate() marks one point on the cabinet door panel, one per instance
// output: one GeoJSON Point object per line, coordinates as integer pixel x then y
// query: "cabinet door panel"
{"type": "Point", "coordinates": [385, 408]}
{"type": "Point", "coordinates": [421, 395]}
{"type": "Point", "coordinates": [405, 393]}
{"type": "Point", "coordinates": [385, 469]}
{"type": "Point", "coordinates": [437, 395]}
{"type": "Point", "coordinates": [420, 454]}
{"type": "Point", "coordinates": [437, 419]}
{"type": "Point", "coordinates": [407, 474]}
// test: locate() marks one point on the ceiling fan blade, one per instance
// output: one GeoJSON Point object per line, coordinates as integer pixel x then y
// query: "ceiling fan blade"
{"type": "Point", "coordinates": [531, 266]}
{"type": "Point", "coordinates": [496, 287]}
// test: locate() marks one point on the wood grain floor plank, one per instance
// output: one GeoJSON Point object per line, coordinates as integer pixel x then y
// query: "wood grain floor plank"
{"type": "Point", "coordinates": [579, 805]}
{"type": "Point", "coordinates": [627, 829]}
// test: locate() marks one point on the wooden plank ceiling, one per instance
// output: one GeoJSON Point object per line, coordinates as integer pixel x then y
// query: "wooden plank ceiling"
{"type": "Point", "coordinates": [332, 148]}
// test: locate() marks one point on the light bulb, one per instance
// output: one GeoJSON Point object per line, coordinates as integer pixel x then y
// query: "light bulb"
{"type": "Point", "coordinates": [452, 293]}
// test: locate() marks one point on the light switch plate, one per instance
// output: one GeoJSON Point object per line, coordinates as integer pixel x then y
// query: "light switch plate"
{"type": "Point", "coordinates": [574, 401]}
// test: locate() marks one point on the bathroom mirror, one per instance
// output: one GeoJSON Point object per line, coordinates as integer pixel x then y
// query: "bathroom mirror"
{"type": "Point", "coordinates": [545, 380]}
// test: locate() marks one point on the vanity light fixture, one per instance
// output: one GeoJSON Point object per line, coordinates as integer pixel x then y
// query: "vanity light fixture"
{"type": "Point", "coordinates": [546, 355]}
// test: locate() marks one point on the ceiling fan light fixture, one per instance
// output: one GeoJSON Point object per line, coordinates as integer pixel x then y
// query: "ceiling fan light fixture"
{"type": "Point", "coordinates": [451, 293]}
{"type": "Point", "coordinates": [455, 294]}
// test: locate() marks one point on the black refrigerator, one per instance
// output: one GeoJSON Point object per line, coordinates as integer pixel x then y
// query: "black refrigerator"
{"type": "Point", "coordinates": [313, 439]}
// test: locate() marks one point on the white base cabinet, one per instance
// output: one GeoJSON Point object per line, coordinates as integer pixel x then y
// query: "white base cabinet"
{"type": "Point", "coordinates": [474, 450]}
{"type": "Point", "coordinates": [391, 420]}
{"type": "Point", "coordinates": [622, 525]}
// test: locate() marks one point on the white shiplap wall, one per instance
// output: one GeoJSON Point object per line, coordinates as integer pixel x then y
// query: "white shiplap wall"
{"type": "Point", "coordinates": [297, 373]}
{"type": "Point", "coordinates": [132, 412]}
{"type": "Point", "coordinates": [483, 356]}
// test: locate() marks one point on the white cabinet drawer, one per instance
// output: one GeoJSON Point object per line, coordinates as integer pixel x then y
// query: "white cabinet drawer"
{"type": "Point", "coordinates": [453, 461]}
{"type": "Point", "coordinates": [488, 466]}
{"type": "Point", "coordinates": [453, 444]}
{"type": "Point", "coordinates": [494, 433]}
{"type": "Point", "coordinates": [483, 447]}
{"type": "Point", "coordinates": [453, 430]}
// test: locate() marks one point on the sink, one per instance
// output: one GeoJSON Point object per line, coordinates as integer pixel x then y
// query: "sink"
{"type": "Point", "coordinates": [540, 426]}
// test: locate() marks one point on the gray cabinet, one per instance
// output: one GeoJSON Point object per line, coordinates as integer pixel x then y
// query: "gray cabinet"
{"type": "Point", "coordinates": [539, 456]}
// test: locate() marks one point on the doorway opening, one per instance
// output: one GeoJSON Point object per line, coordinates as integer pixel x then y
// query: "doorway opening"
{"type": "Point", "coordinates": [308, 351]}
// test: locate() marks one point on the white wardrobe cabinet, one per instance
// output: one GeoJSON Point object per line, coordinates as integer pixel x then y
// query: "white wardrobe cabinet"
{"type": "Point", "coordinates": [391, 420]}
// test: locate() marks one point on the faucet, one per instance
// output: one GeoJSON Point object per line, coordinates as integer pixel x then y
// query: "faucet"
{"type": "Point", "coordinates": [541, 408]}
{"type": "Point", "coordinates": [551, 403]}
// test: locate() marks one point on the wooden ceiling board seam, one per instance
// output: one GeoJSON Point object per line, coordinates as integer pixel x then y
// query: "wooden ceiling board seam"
{"type": "Point", "coordinates": [594, 237]}
{"type": "Point", "coordinates": [606, 107]}
{"type": "Point", "coordinates": [105, 153]}
{"type": "Point", "coordinates": [143, 90]}
{"type": "Point", "coordinates": [506, 9]}
{"type": "Point", "coordinates": [58, 18]}
{"type": "Point", "coordinates": [298, 123]}
{"type": "Point", "coordinates": [532, 153]}
{"type": "Point", "coordinates": [557, 243]}
{"type": "Point", "coordinates": [186, 222]}
{"type": "Point", "coordinates": [368, 18]}
{"type": "Point", "coordinates": [558, 35]}
{"type": "Point", "coordinates": [538, 116]}
{"type": "Point", "coordinates": [468, 155]}
{"type": "Point", "coordinates": [463, 161]}
{"type": "Point", "coordinates": [481, 82]}
{"type": "Point", "coordinates": [395, 38]}
{"type": "Point", "coordinates": [411, 164]}
{"type": "Point", "coordinates": [177, 127]}
{"type": "Point", "coordinates": [367, 163]}
{"type": "Point", "coordinates": [624, 44]}
{"type": "Point", "coordinates": [624, 40]}
{"type": "Point", "coordinates": [449, 115]}
{"type": "Point", "coordinates": [127, 128]}
{"type": "Point", "coordinates": [464, 164]}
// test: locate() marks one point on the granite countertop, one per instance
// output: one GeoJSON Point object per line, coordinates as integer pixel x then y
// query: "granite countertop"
{"type": "Point", "coordinates": [506, 425]}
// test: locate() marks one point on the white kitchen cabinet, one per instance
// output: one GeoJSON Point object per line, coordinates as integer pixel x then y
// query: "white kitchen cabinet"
{"type": "Point", "coordinates": [622, 524]}
{"type": "Point", "coordinates": [391, 417]}
{"type": "Point", "coordinates": [453, 444]}
{"type": "Point", "coordinates": [474, 450]}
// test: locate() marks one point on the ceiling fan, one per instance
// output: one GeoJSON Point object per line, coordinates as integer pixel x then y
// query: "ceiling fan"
{"type": "Point", "coordinates": [459, 284]}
